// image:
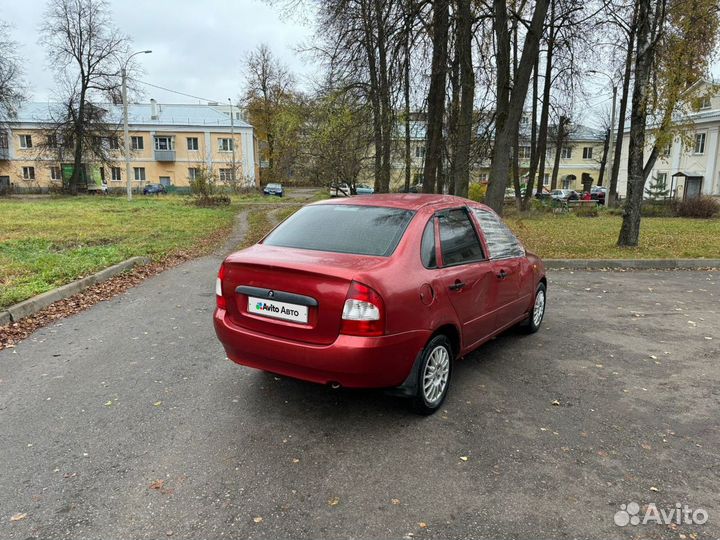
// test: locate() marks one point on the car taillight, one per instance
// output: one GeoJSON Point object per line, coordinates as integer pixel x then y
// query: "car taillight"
{"type": "Point", "coordinates": [221, 302]}
{"type": "Point", "coordinates": [363, 313]}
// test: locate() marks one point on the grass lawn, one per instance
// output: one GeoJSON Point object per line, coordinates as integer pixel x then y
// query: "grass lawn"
{"type": "Point", "coordinates": [568, 236]}
{"type": "Point", "coordinates": [45, 243]}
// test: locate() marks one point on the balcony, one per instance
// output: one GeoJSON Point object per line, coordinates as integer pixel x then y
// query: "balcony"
{"type": "Point", "coordinates": [164, 155]}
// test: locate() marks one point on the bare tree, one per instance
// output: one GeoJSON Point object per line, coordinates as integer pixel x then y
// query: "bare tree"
{"type": "Point", "coordinates": [12, 87]}
{"type": "Point", "coordinates": [87, 53]}
{"type": "Point", "coordinates": [510, 102]}
{"type": "Point", "coordinates": [268, 87]}
{"type": "Point", "coordinates": [674, 43]}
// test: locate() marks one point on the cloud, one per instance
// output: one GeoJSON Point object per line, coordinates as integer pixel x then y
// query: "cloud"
{"type": "Point", "coordinates": [198, 47]}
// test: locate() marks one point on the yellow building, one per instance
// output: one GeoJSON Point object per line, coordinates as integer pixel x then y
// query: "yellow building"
{"type": "Point", "coordinates": [169, 143]}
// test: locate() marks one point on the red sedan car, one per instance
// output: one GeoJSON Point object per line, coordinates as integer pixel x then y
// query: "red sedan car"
{"type": "Point", "coordinates": [378, 292]}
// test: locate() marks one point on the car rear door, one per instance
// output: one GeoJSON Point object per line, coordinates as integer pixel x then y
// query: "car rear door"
{"type": "Point", "coordinates": [510, 265]}
{"type": "Point", "coordinates": [465, 275]}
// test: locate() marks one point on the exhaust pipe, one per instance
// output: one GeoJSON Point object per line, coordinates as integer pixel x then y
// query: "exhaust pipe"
{"type": "Point", "coordinates": [335, 385]}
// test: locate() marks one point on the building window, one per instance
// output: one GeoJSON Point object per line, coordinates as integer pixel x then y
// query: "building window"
{"type": "Point", "coordinates": [55, 174]}
{"type": "Point", "coordinates": [225, 175]}
{"type": "Point", "coordinates": [29, 173]}
{"type": "Point", "coordinates": [704, 102]}
{"type": "Point", "coordinates": [25, 141]}
{"type": "Point", "coordinates": [546, 179]}
{"type": "Point", "coordinates": [164, 143]}
{"type": "Point", "coordinates": [192, 172]}
{"type": "Point", "coordinates": [3, 140]}
{"type": "Point", "coordinates": [51, 141]}
{"type": "Point", "coordinates": [587, 152]}
{"type": "Point", "coordinates": [139, 174]}
{"type": "Point", "coordinates": [661, 179]}
{"type": "Point", "coordinates": [699, 143]}
{"type": "Point", "coordinates": [115, 174]}
{"type": "Point", "coordinates": [137, 143]}
{"type": "Point", "coordinates": [419, 151]}
{"type": "Point", "coordinates": [524, 152]}
{"type": "Point", "coordinates": [192, 143]}
{"type": "Point", "coordinates": [666, 150]}
{"type": "Point", "coordinates": [417, 178]}
{"type": "Point", "coordinates": [113, 143]}
{"type": "Point", "coordinates": [566, 152]}
{"type": "Point", "coordinates": [483, 178]}
{"type": "Point", "coordinates": [225, 145]}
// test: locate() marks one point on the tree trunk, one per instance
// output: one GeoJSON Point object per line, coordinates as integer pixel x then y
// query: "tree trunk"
{"type": "Point", "coordinates": [603, 160]}
{"type": "Point", "coordinates": [630, 229]}
{"type": "Point", "coordinates": [556, 164]}
{"type": "Point", "coordinates": [453, 116]}
{"type": "Point", "coordinates": [436, 95]}
{"type": "Point", "coordinates": [545, 111]}
{"type": "Point", "coordinates": [467, 98]}
{"type": "Point", "coordinates": [627, 75]}
{"type": "Point", "coordinates": [406, 91]}
{"type": "Point", "coordinates": [525, 201]}
{"type": "Point", "coordinates": [79, 141]}
{"type": "Point", "coordinates": [500, 166]}
{"type": "Point", "coordinates": [386, 116]}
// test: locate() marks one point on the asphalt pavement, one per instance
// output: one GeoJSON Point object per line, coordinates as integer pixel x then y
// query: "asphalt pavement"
{"type": "Point", "coordinates": [127, 421]}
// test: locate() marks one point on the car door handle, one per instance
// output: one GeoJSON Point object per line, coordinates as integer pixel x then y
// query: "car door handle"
{"type": "Point", "coordinates": [502, 274]}
{"type": "Point", "coordinates": [458, 285]}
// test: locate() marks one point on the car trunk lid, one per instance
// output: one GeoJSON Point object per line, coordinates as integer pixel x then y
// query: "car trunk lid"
{"type": "Point", "coordinates": [309, 287]}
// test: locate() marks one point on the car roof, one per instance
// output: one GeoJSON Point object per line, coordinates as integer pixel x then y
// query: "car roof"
{"type": "Point", "coordinates": [406, 201]}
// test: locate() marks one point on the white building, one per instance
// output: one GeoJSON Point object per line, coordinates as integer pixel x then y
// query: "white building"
{"type": "Point", "coordinates": [689, 169]}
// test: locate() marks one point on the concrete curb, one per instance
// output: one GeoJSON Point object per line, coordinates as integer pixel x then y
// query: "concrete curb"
{"type": "Point", "coordinates": [631, 264]}
{"type": "Point", "coordinates": [41, 301]}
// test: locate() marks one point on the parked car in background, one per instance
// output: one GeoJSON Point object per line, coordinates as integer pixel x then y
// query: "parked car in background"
{"type": "Point", "coordinates": [273, 189]}
{"type": "Point", "coordinates": [154, 189]}
{"type": "Point", "coordinates": [344, 190]}
{"type": "Point", "coordinates": [599, 194]}
{"type": "Point", "coordinates": [564, 195]}
{"type": "Point", "coordinates": [378, 292]}
{"type": "Point", "coordinates": [340, 190]}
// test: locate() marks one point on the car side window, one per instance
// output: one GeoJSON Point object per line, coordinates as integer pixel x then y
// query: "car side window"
{"type": "Point", "coordinates": [427, 246]}
{"type": "Point", "coordinates": [501, 242]}
{"type": "Point", "coordinates": [458, 241]}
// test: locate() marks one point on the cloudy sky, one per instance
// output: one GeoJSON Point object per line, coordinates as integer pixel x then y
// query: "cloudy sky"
{"type": "Point", "coordinates": [198, 45]}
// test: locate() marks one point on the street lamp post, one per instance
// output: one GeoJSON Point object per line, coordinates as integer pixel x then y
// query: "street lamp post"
{"type": "Point", "coordinates": [611, 197]}
{"type": "Point", "coordinates": [125, 123]}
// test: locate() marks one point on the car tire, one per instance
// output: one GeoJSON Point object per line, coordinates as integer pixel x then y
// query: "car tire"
{"type": "Point", "coordinates": [535, 318]}
{"type": "Point", "coordinates": [433, 376]}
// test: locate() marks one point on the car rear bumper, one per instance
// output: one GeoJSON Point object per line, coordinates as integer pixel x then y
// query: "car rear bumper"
{"type": "Point", "coordinates": [351, 361]}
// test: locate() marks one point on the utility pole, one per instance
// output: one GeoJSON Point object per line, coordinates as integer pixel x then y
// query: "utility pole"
{"type": "Point", "coordinates": [123, 73]}
{"type": "Point", "coordinates": [232, 141]}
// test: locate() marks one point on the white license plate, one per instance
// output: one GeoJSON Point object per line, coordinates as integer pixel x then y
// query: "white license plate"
{"type": "Point", "coordinates": [277, 310]}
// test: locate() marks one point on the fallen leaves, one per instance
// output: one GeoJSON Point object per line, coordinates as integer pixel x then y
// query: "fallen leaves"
{"type": "Point", "coordinates": [395, 501]}
{"type": "Point", "coordinates": [333, 501]}
{"type": "Point", "coordinates": [157, 484]}
{"type": "Point", "coordinates": [258, 519]}
{"type": "Point", "coordinates": [18, 517]}
{"type": "Point", "coordinates": [653, 488]}
{"type": "Point", "coordinates": [422, 525]}
{"type": "Point", "coordinates": [555, 402]}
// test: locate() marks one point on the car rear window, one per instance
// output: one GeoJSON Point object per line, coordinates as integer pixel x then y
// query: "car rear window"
{"type": "Point", "coordinates": [342, 228]}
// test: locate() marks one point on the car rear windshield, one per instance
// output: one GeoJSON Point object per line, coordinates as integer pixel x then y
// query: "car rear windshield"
{"type": "Point", "coordinates": [342, 228]}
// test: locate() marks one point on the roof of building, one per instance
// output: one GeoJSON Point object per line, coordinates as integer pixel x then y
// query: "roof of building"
{"type": "Point", "coordinates": [140, 114]}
